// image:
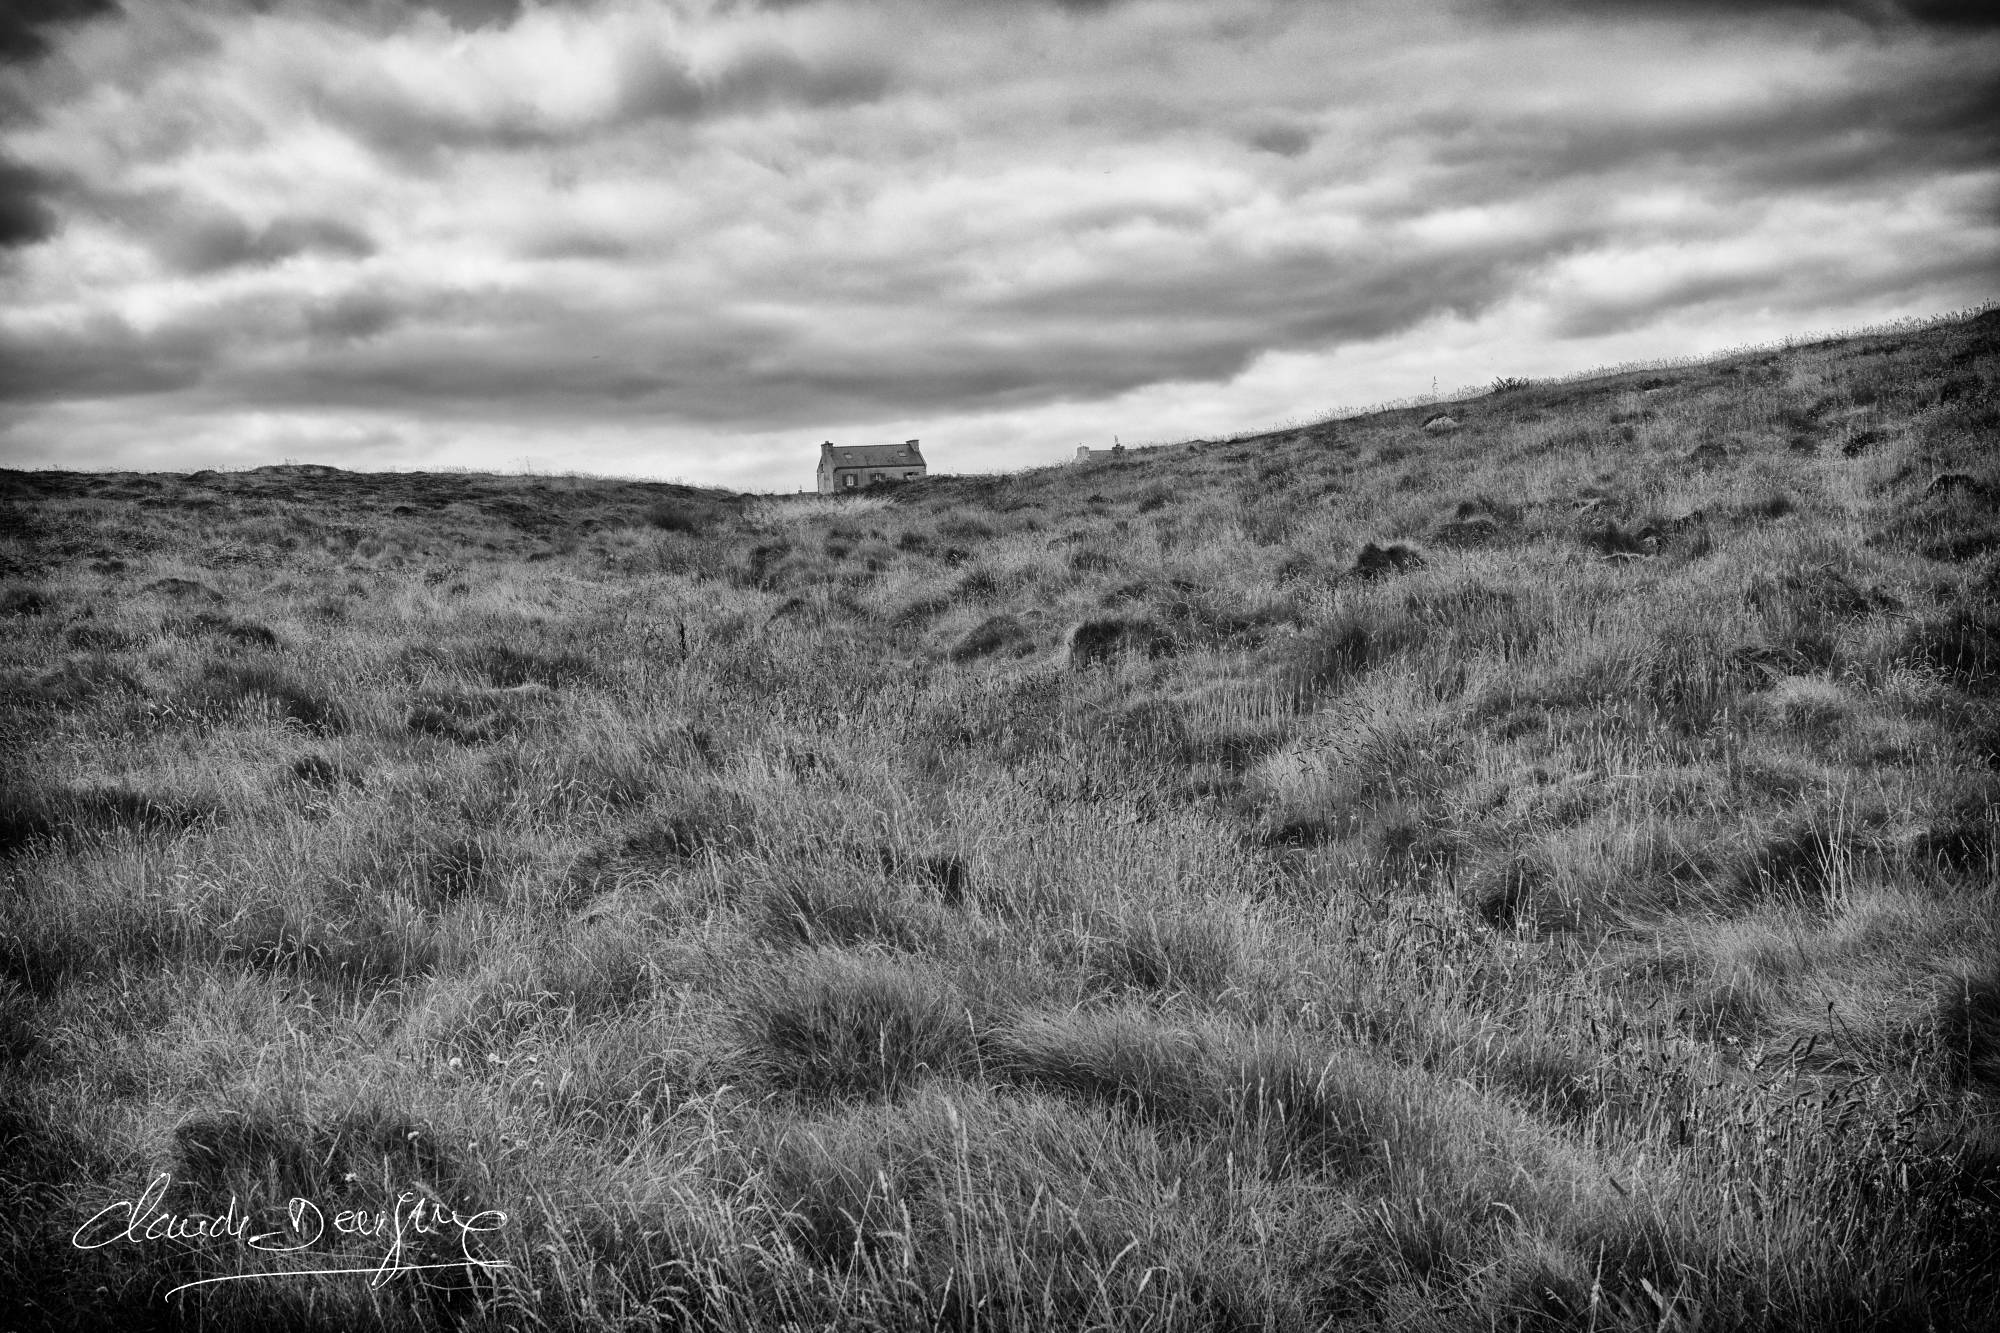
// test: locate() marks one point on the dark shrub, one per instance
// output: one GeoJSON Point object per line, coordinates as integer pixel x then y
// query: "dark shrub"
{"type": "Point", "coordinates": [1968, 1015]}
{"type": "Point", "coordinates": [678, 516]}
{"type": "Point", "coordinates": [1125, 1058]}
{"type": "Point", "coordinates": [979, 585]}
{"type": "Point", "coordinates": [508, 666]}
{"type": "Point", "coordinates": [1501, 895]}
{"type": "Point", "coordinates": [476, 716]}
{"type": "Point", "coordinates": [455, 866]}
{"type": "Point", "coordinates": [25, 602]}
{"type": "Point", "coordinates": [704, 818]}
{"type": "Point", "coordinates": [101, 638]}
{"type": "Point", "coordinates": [1352, 642]}
{"type": "Point", "coordinates": [1815, 591]}
{"type": "Point", "coordinates": [222, 687]}
{"type": "Point", "coordinates": [1803, 859]}
{"type": "Point", "coordinates": [833, 1024]}
{"type": "Point", "coordinates": [825, 911]}
{"type": "Point", "coordinates": [1104, 640]}
{"type": "Point", "coordinates": [74, 683]}
{"type": "Point", "coordinates": [942, 874]}
{"type": "Point", "coordinates": [1395, 558]}
{"type": "Point", "coordinates": [1861, 442]}
{"type": "Point", "coordinates": [246, 633]}
{"type": "Point", "coordinates": [270, 1157]}
{"type": "Point", "coordinates": [319, 773]}
{"type": "Point", "coordinates": [765, 568]}
{"type": "Point", "coordinates": [1296, 567]}
{"type": "Point", "coordinates": [216, 1150]}
{"type": "Point", "coordinates": [1946, 482]}
{"type": "Point", "coordinates": [1962, 386]}
{"type": "Point", "coordinates": [1611, 538]}
{"type": "Point", "coordinates": [77, 814]}
{"type": "Point", "coordinates": [1471, 530]}
{"type": "Point", "coordinates": [1772, 504]}
{"type": "Point", "coordinates": [992, 635]}
{"type": "Point", "coordinates": [1707, 454]}
{"type": "Point", "coordinates": [1965, 645]}
{"type": "Point", "coordinates": [185, 590]}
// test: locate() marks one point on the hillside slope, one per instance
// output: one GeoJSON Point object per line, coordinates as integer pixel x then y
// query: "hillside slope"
{"type": "Point", "coordinates": [1535, 874]}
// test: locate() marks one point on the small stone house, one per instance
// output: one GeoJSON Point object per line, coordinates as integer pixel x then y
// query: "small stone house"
{"type": "Point", "coordinates": [853, 467]}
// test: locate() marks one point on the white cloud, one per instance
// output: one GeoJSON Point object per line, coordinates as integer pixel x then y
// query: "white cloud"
{"type": "Point", "coordinates": [696, 238]}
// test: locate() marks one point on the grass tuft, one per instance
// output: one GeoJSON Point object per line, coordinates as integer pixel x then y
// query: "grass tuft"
{"type": "Point", "coordinates": [835, 1025]}
{"type": "Point", "coordinates": [1104, 640]}
{"type": "Point", "coordinates": [260, 687]}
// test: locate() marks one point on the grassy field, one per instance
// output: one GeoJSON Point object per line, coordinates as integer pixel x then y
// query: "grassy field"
{"type": "Point", "coordinates": [1539, 874]}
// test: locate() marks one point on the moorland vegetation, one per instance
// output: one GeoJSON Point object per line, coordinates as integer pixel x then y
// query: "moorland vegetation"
{"type": "Point", "coordinates": [1536, 874]}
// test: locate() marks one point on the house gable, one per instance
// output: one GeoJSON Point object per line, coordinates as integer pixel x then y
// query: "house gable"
{"type": "Point", "coordinates": [855, 466]}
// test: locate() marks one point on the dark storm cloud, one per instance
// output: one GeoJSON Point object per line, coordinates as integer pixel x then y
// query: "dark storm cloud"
{"type": "Point", "coordinates": [516, 354]}
{"type": "Point", "coordinates": [198, 236]}
{"type": "Point", "coordinates": [25, 216]}
{"type": "Point", "coordinates": [521, 217]}
{"type": "Point", "coordinates": [28, 28]}
{"type": "Point", "coordinates": [215, 240]}
{"type": "Point", "coordinates": [1814, 137]}
{"type": "Point", "coordinates": [1204, 320]}
{"type": "Point", "coordinates": [573, 243]}
{"type": "Point", "coordinates": [473, 15]}
{"type": "Point", "coordinates": [651, 82]}
{"type": "Point", "coordinates": [1091, 344]}
{"type": "Point", "coordinates": [1798, 288]}
{"type": "Point", "coordinates": [1944, 13]}
{"type": "Point", "coordinates": [353, 317]}
{"type": "Point", "coordinates": [1955, 13]}
{"type": "Point", "coordinates": [659, 84]}
{"type": "Point", "coordinates": [1085, 7]}
{"type": "Point", "coordinates": [1284, 140]}
{"type": "Point", "coordinates": [385, 16]}
{"type": "Point", "coordinates": [103, 357]}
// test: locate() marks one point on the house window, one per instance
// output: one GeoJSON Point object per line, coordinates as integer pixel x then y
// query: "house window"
{"type": "Point", "coordinates": [909, 476]}
{"type": "Point", "coordinates": [848, 480]}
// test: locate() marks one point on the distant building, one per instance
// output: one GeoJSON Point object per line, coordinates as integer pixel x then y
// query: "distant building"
{"type": "Point", "coordinates": [852, 467]}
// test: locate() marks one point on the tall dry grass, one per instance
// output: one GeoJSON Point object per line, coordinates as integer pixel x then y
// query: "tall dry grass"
{"type": "Point", "coordinates": [1535, 876]}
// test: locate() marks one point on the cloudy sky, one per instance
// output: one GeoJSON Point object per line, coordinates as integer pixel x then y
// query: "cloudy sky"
{"type": "Point", "coordinates": [693, 238]}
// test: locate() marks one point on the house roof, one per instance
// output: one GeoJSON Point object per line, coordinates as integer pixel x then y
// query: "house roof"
{"type": "Point", "coordinates": [873, 455]}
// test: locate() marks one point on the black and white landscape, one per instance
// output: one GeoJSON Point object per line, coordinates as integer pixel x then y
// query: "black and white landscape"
{"type": "Point", "coordinates": [479, 850]}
